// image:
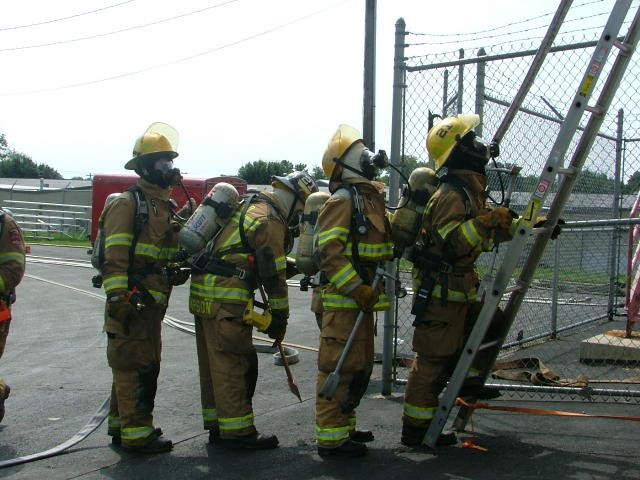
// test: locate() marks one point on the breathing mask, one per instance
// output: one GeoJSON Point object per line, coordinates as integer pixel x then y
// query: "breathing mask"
{"type": "Point", "coordinates": [161, 173]}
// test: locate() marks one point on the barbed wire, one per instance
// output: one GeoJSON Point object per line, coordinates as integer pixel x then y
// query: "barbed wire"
{"type": "Point", "coordinates": [491, 30]}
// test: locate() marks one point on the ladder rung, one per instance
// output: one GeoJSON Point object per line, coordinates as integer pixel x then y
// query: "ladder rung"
{"type": "Point", "coordinates": [513, 288]}
{"type": "Point", "coordinates": [623, 47]}
{"type": "Point", "coordinates": [569, 171]}
{"type": "Point", "coordinates": [486, 345]}
{"type": "Point", "coordinates": [598, 111]}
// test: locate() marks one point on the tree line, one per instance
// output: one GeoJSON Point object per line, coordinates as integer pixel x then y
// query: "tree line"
{"type": "Point", "coordinates": [14, 164]}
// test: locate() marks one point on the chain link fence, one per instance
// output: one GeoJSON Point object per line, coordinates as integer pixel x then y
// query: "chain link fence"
{"type": "Point", "coordinates": [569, 334]}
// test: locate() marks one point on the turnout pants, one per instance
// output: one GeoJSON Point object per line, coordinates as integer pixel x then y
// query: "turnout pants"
{"type": "Point", "coordinates": [228, 368]}
{"type": "Point", "coordinates": [4, 333]}
{"type": "Point", "coordinates": [438, 341]}
{"type": "Point", "coordinates": [336, 418]}
{"type": "Point", "coordinates": [133, 353]}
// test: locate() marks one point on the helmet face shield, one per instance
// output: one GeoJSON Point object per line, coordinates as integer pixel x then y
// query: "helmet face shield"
{"type": "Point", "coordinates": [342, 139]}
{"type": "Point", "coordinates": [159, 140]}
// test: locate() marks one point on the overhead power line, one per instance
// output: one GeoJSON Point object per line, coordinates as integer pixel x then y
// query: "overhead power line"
{"type": "Point", "coordinates": [135, 27]}
{"type": "Point", "coordinates": [53, 20]}
{"type": "Point", "coordinates": [183, 59]}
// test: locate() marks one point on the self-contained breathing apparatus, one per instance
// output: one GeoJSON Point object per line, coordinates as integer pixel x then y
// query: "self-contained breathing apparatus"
{"type": "Point", "coordinates": [307, 257]}
{"type": "Point", "coordinates": [199, 235]}
{"type": "Point", "coordinates": [208, 219]}
{"type": "Point", "coordinates": [406, 220]}
{"type": "Point", "coordinates": [451, 144]}
{"type": "Point", "coordinates": [306, 262]}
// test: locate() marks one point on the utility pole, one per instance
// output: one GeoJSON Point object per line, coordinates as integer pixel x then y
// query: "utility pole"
{"type": "Point", "coordinates": [368, 104]}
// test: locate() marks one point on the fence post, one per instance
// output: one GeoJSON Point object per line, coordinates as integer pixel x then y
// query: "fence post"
{"type": "Point", "coordinates": [394, 187]}
{"type": "Point", "coordinates": [616, 235]}
{"type": "Point", "coordinates": [480, 91]}
{"type": "Point", "coordinates": [460, 82]}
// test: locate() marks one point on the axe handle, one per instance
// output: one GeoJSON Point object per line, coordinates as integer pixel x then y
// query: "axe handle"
{"type": "Point", "coordinates": [347, 346]}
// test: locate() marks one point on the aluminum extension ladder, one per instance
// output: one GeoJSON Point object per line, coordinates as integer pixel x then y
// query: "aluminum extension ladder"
{"type": "Point", "coordinates": [554, 166]}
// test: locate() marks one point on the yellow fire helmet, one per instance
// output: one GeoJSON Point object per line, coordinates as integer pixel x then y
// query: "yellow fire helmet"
{"type": "Point", "coordinates": [340, 142]}
{"type": "Point", "coordinates": [160, 140]}
{"type": "Point", "coordinates": [300, 183]}
{"type": "Point", "coordinates": [446, 134]}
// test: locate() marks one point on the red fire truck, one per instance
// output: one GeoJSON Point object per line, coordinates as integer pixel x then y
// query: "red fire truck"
{"type": "Point", "coordinates": [105, 184]}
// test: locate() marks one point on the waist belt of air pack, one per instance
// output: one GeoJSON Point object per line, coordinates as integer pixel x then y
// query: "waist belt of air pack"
{"type": "Point", "coordinates": [144, 271]}
{"type": "Point", "coordinates": [429, 262]}
{"type": "Point", "coordinates": [217, 266]}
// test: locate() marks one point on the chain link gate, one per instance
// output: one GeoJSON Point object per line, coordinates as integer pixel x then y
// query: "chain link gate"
{"type": "Point", "coordinates": [569, 331]}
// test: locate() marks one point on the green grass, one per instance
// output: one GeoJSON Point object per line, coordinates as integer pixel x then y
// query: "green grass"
{"type": "Point", "coordinates": [546, 274]}
{"type": "Point", "coordinates": [80, 240]}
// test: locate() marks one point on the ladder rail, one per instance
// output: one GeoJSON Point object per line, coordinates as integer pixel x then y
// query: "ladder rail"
{"type": "Point", "coordinates": [583, 148]}
{"type": "Point", "coordinates": [534, 68]}
{"type": "Point", "coordinates": [517, 244]}
{"type": "Point", "coordinates": [577, 162]}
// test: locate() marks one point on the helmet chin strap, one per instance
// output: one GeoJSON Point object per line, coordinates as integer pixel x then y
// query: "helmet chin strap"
{"type": "Point", "coordinates": [351, 169]}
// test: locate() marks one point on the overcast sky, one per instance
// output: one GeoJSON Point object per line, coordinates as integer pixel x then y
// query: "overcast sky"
{"type": "Point", "coordinates": [241, 80]}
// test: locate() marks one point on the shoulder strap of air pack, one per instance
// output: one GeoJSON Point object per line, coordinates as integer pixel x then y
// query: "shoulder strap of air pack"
{"type": "Point", "coordinates": [358, 227]}
{"type": "Point", "coordinates": [140, 217]}
{"type": "Point", "coordinates": [458, 184]}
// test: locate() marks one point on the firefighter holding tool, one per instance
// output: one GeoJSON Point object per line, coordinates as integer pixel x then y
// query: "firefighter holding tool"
{"type": "Point", "coordinates": [139, 240]}
{"type": "Point", "coordinates": [353, 240]}
{"type": "Point", "coordinates": [247, 253]}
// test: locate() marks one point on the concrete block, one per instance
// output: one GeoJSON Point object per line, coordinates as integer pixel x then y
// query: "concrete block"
{"type": "Point", "coordinates": [611, 346]}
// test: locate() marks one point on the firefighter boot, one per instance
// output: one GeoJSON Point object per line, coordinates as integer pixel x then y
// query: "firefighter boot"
{"type": "Point", "coordinates": [345, 450]}
{"type": "Point", "coordinates": [214, 434]}
{"type": "Point", "coordinates": [154, 443]}
{"type": "Point", "coordinates": [413, 437]}
{"type": "Point", "coordinates": [361, 436]}
{"type": "Point", "coordinates": [253, 441]}
{"type": "Point", "coordinates": [116, 438]}
{"type": "Point", "coordinates": [5, 395]}
{"type": "Point", "coordinates": [475, 388]}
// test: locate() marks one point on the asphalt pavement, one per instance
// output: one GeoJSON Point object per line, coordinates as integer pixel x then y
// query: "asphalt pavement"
{"type": "Point", "coordinates": [56, 365]}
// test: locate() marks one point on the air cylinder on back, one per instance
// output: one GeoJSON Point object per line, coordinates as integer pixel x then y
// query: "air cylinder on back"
{"type": "Point", "coordinates": [211, 215]}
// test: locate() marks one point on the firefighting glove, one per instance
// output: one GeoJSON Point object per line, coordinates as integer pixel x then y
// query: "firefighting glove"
{"type": "Point", "coordinates": [177, 275]}
{"type": "Point", "coordinates": [278, 326]}
{"type": "Point", "coordinates": [494, 149]}
{"type": "Point", "coordinates": [500, 217]}
{"type": "Point", "coordinates": [541, 222]}
{"type": "Point", "coordinates": [119, 307]}
{"type": "Point", "coordinates": [188, 208]}
{"type": "Point", "coordinates": [365, 296]}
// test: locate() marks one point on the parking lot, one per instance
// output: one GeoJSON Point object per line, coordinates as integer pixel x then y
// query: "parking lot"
{"type": "Point", "coordinates": [56, 365]}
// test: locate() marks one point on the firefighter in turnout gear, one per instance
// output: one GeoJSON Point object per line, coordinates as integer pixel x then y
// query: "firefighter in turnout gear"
{"type": "Point", "coordinates": [249, 253]}
{"type": "Point", "coordinates": [139, 242]}
{"type": "Point", "coordinates": [353, 238]}
{"type": "Point", "coordinates": [12, 251]}
{"type": "Point", "coordinates": [456, 227]}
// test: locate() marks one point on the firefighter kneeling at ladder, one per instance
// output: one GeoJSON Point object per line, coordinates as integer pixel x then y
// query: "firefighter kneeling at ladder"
{"type": "Point", "coordinates": [248, 253]}
{"type": "Point", "coordinates": [456, 227]}
{"type": "Point", "coordinates": [353, 238]}
{"type": "Point", "coordinates": [139, 239]}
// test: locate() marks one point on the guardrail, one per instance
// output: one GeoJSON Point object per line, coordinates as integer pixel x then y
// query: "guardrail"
{"type": "Point", "coordinates": [41, 220]}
